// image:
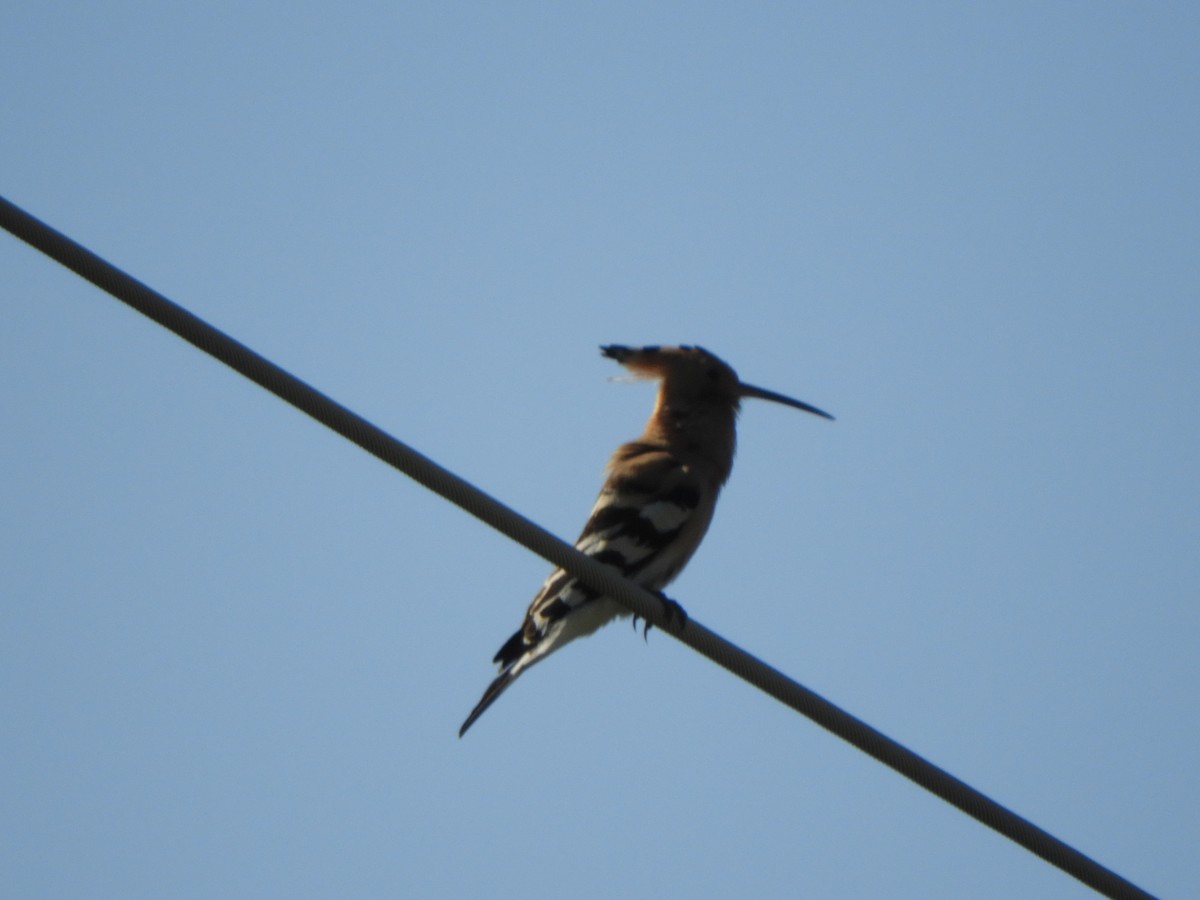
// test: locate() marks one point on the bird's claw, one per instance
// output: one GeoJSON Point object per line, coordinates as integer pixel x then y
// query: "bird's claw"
{"type": "Point", "coordinates": [674, 613]}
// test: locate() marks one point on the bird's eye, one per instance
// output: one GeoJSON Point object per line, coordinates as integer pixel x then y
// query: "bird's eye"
{"type": "Point", "coordinates": [713, 373]}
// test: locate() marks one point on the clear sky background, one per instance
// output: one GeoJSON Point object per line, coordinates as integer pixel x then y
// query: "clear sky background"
{"type": "Point", "coordinates": [235, 649]}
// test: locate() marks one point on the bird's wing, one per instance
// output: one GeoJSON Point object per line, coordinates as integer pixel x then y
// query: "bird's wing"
{"type": "Point", "coordinates": [646, 523]}
{"type": "Point", "coordinates": [648, 520]}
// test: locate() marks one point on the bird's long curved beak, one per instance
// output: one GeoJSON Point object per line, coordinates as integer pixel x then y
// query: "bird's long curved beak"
{"type": "Point", "coordinates": [749, 390]}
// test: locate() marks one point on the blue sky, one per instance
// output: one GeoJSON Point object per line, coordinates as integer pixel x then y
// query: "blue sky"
{"type": "Point", "coordinates": [236, 649]}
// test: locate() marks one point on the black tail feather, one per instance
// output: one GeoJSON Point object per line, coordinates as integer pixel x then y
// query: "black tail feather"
{"type": "Point", "coordinates": [514, 648]}
{"type": "Point", "coordinates": [490, 696]}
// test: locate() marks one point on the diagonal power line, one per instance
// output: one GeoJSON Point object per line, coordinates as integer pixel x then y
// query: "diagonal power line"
{"type": "Point", "coordinates": [530, 535]}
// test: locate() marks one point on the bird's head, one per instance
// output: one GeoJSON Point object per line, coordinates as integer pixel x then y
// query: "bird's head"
{"type": "Point", "coordinates": [694, 379]}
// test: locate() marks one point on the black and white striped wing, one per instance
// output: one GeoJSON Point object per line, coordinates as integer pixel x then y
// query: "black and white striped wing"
{"type": "Point", "coordinates": [647, 522]}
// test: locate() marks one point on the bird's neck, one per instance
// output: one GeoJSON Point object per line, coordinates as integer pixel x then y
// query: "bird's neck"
{"type": "Point", "coordinates": [702, 436]}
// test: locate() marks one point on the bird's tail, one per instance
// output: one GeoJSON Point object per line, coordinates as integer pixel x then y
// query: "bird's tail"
{"type": "Point", "coordinates": [491, 695]}
{"type": "Point", "coordinates": [517, 655]}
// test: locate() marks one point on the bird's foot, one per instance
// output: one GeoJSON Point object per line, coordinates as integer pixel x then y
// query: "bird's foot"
{"type": "Point", "coordinates": [674, 613]}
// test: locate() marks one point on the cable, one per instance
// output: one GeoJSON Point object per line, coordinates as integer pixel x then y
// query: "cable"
{"type": "Point", "coordinates": [530, 535]}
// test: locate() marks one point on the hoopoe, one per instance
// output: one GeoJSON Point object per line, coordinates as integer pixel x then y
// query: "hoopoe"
{"type": "Point", "coordinates": [654, 507]}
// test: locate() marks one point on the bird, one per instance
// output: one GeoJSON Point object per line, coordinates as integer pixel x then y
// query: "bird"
{"type": "Point", "coordinates": [654, 506]}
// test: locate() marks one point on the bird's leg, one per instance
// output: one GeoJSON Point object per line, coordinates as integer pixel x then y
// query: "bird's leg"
{"type": "Point", "coordinates": [675, 614]}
